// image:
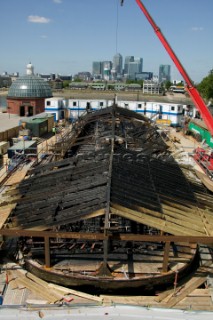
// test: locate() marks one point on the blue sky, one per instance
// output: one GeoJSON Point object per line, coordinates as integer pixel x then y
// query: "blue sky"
{"type": "Point", "coordinates": [66, 36]}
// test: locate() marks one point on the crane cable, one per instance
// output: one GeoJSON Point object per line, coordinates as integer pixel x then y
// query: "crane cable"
{"type": "Point", "coordinates": [117, 24]}
{"type": "Point", "coordinates": [116, 31]}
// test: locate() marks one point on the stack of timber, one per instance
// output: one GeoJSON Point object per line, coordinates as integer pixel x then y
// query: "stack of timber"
{"type": "Point", "coordinates": [23, 288]}
{"type": "Point", "coordinates": [116, 212]}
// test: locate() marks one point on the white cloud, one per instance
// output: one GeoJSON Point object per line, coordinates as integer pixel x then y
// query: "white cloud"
{"type": "Point", "coordinates": [197, 29]}
{"type": "Point", "coordinates": [57, 1]}
{"type": "Point", "coordinates": [38, 19]}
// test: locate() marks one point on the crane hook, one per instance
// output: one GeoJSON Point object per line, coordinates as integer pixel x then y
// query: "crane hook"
{"type": "Point", "coordinates": [122, 2]}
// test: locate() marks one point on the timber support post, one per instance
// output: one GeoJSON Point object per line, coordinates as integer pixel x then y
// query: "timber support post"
{"type": "Point", "coordinates": [166, 257]}
{"type": "Point", "coordinates": [47, 251]}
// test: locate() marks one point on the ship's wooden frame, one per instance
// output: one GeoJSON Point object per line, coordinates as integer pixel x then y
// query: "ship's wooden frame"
{"type": "Point", "coordinates": [118, 199]}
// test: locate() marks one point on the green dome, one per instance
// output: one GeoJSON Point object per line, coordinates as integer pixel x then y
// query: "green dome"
{"type": "Point", "coordinates": [30, 86]}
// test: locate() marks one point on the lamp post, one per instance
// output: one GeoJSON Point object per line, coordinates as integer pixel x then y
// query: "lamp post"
{"type": "Point", "coordinates": [8, 111]}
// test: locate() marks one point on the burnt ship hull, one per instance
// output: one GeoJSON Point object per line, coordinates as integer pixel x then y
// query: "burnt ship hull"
{"type": "Point", "coordinates": [114, 281]}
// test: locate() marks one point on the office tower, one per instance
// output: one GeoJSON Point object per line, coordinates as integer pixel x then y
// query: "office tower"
{"type": "Point", "coordinates": [134, 68]}
{"type": "Point", "coordinates": [127, 60]}
{"type": "Point", "coordinates": [96, 68]}
{"type": "Point", "coordinates": [118, 64]}
{"type": "Point", "coordinates": [106, 67]}
{"type": "Point", "coordinates": [140, 64]}
{"type": "Point", "coordinates": [164, 73]}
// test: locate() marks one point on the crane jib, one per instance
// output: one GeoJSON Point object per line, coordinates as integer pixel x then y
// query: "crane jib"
{"type": "Point", "coordinates": [193, 92]}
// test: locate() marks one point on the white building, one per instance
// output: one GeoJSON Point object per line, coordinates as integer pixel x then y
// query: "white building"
{"type": "Point", "coordinates": [56, 106]}
{"type": "Point", "coordinates": [74, 108]}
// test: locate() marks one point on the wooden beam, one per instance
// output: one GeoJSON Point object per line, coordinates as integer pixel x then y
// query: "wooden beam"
{"type": "Point", "coordinates": [166, 257]}
{"type": "Point", "coordinates": [100, 236]}
{"type": "Point", "coordinates": [47, 251]}
{"type": "Point", "coordinates": [154, 222]}
{"type": "Point", "coordinates": [193, 284]}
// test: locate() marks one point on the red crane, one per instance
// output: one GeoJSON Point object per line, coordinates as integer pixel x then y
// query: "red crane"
{"type": "Point", "coordinates": [194, 94]}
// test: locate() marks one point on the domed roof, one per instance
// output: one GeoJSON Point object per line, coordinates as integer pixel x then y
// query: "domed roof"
{"type": "Point", "coordinates": [29, 86]}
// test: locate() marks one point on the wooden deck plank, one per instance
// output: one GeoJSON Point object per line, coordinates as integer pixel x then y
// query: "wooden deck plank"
{"type": "Point", "coordinates": [190, 287]}
{"type": "Point", "coordinates": [17, 177]}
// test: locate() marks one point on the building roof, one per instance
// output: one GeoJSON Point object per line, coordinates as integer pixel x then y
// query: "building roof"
{"type": "Point", "coordinates": [29, 86]}
{"type": "Point", "coordinates": [22, 145]}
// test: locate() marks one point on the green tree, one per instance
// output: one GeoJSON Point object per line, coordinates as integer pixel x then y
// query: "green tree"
{"type": "Point", "coordinates": [129, 81]}
{"type": "Point", "coordinates": [77, 79]}
{"type": "Point", "coordinates": [167, 84]}
{"type": "Point", "coordinates": [205, 87]}
{"type": "Point", "coordinates": [66, 83]}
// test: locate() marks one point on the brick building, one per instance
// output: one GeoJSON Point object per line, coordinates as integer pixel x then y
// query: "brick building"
{"type": "Point", "coordinates": [26, 96]}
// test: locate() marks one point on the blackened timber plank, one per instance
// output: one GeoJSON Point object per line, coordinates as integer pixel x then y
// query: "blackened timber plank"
{"type": "Point", "coordinates": [40, 203]}
{"type": "Point", "coordinates": [87, 198]}
{"type": "Point", "coordinates": [88, 213]}
{"type": "Point", "coordinates": [139, 190]}
{"type": "Point", "coordinates": [30, 215]}
{"type": "Point", "coordinates": [84, 193]}
{"type": "Point", "coordinates": [131, 200]}
{"type": "Point", "coordinates": [49, 166]}
{"type": "Point", "coordinates": [61, 188]}
{"type": "Point", "coordinates": [67, 177]}
{"type": "Point", "coordinates": [83, 207]}
{"type": "Point", "coordinates": [31, 201]}
{"type": "Point", "coordinates": [137, 199]}
{"type": "Point", "coordinates": [55, 209]}
{"type": "Point", "coordinates": [143, 175]}
{"type": "Point", "coordinates": [64, 162]}
{"type": "Point", "coordinates": [63, 172]}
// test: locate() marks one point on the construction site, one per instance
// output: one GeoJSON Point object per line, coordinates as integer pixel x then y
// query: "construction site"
{"type": "Point", "coordinates": [114, 215]}
{"type": "Point", "coordinates": [109, 218]}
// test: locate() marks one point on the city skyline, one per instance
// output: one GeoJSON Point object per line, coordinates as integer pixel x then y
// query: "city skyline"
{"type": "Point", "coordinates": [66, 36]}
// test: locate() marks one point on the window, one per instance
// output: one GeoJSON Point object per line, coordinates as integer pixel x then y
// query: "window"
{"type": "Point", "coordinates": [88, 106]}
{"type": "Point", "coordinates": [139, 106]}
{"type": "Point", "coordinates": [74, 104]}
{"type": "Point", "coordinates": [101, 104]}
{"type": "Point", "coordinates": [172, 108]}
{"type": "Point", "coordinates": [48, 103]}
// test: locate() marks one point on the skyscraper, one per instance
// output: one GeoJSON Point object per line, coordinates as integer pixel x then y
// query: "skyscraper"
{"type": "Point", "coordinates": [128, 59]}
{"type": "Point", "coordinates": [118, 64]}
{"type": "Point", "coordinates": [133, 69]}
{"type": "Point", "coordinates": [139, 61]}
{"type": "Point", "coordinates": [132, 66]}
{"type": "Point", "coordinates": [96, 68]}
{"type": "Point", "coordinates": [106, 67]}
{"type": "Point", "coordinates": [164, 73]}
